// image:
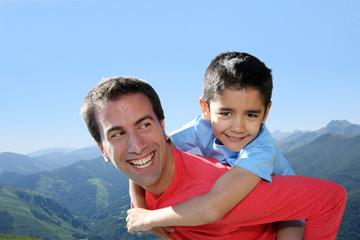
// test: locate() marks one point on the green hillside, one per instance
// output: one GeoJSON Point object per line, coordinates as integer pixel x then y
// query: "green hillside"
{"type": "Point", "coordinates": [333, 157]}
{"type": "Point", "coordinates": [93, 190]}
{"type": "Point", "coordinates": [336, 158]}
{"type": "Point", "coordinates": [17, 237]}
{"type": "Point", "coordinates": [85, 188]}
{"type": "Point", "coordinates": [24, 213]}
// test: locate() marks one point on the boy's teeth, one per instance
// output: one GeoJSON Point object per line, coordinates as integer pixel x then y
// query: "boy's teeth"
{"type": "Point", "coordinates": [143, 163]}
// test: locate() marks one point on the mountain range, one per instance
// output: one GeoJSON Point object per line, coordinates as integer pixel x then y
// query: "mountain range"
{"type": "Point", "coordinates": [32, 163]}
{"type": "Point", "coordinates": [94, 195]}
{"type": "Point", "coordinates": [302, 137]}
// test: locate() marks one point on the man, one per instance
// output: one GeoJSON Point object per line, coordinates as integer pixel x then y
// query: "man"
{"type": "Point", "coordinates": [125, 118]}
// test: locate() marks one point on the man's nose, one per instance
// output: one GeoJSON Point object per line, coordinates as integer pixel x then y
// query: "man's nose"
{"type": "Point", "coordinates": [136, 143]}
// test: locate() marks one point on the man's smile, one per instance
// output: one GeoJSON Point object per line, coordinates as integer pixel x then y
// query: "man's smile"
{"type": "Point", "coordinates": [143, 162]}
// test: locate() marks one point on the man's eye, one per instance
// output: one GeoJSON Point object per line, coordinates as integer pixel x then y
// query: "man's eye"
{"type": "Point", "coordinates": [145, 125]}
{"type": "Point", "coordinates": [118, 134]}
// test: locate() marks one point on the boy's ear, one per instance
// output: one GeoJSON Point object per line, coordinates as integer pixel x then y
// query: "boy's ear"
{"type": "Point", "coordinates": [162, 122]}
{"type": "Point", "coordinates": [106, 158]}
{"type": "Point", "coordinates": [267, 110]}
{"type": "Point", "coordinates": [204, 108]}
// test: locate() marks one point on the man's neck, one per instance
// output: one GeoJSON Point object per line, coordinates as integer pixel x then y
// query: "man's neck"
{"type": "Point", "coordinates": [167, 175]}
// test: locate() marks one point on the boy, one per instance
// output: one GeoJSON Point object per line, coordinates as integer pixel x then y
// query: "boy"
{"type": "Point", "coordinates": [235, 104]}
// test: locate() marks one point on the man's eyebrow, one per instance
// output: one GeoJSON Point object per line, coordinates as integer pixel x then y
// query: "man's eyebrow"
{"type": "Point", "coordinates": [116, 128]}
{"type": "Point", "coordinates": [144, 118]}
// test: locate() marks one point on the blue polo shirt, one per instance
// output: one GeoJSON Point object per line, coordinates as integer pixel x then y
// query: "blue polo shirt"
{"type": "Point", "coordinates": [260, 156]}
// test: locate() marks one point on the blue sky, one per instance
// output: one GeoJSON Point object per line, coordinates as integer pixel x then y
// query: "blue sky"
{"type": "Point", "coordinates": [53, 51]}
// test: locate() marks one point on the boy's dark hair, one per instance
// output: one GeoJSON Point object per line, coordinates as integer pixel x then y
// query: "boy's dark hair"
{"type": "Point", "coordinates": [111, 89]}
{"type": "Point", "coordinates": [239, 71]}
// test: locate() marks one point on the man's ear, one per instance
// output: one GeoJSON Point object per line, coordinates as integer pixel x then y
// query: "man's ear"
{"type": "Point", "coordinates": [204, 108]}
{"type": "Point", "coordinates": [267, 110]}
{"type": "Point", "coordinates": [103, 152]}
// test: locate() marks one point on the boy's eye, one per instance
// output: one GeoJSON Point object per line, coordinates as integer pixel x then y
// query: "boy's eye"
{"type": "Point", "coordinates": [225, 114]}
{"type": "Point", "coordinates": [251, 115]}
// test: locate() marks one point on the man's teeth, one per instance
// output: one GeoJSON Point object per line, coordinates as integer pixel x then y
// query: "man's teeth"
{"type": "Point", "coordinates": [143, 163]}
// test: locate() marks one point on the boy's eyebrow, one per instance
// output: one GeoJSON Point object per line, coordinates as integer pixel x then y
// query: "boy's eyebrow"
{"type": "Point", "coordinates": [225, 109]}
{"type": "Point", "coordinates": [230, 109]}
{"type": "Point", "coordinates": [254, 111]}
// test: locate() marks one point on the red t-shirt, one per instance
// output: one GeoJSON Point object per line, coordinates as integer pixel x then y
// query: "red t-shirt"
{"type": "Point", "coordinates": [195, 175]}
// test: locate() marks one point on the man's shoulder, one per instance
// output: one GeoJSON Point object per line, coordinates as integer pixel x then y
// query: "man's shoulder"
{"type": "Point", "coordinates": [203, 171]}
{"type": "Point", "coordinates": [190, 160]}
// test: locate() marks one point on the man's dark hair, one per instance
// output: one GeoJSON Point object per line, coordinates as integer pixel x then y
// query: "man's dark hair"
{"type": "Point", "coordinates": [111, 89]}
{"type": "Point", "coordinates": [238, 71]}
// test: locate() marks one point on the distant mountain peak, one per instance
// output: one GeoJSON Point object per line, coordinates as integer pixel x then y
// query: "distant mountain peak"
{"type": "Point", "coordinates": [49, 151]}
{"type": "Point", "coordinates": [341, 127]}
{"type": "Point", "coordinates": [278, 135]}
{"type": "Point", "coordinates": [339, 123]}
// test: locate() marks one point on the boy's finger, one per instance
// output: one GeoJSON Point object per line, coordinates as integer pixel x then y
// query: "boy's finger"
{"type": "Point", "coordinates": [169, 229]}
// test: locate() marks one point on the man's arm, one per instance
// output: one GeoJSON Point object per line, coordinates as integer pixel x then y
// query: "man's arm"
{"type": "Point", "coordinates": [230, 189]}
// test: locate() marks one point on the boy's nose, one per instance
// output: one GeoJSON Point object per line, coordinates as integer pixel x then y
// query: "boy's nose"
{"type": "Point", "coordinates": [136, 143]}
{"type": "Point", "coordinates": [238, 125]}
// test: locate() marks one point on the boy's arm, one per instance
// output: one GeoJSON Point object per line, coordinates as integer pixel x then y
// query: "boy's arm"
{"type": "Point", "coordinates": [293, 230]}
{"type": "Point", "coordinates": [230, 189]}
{"type": "Point", "coordinates": [137, 195]}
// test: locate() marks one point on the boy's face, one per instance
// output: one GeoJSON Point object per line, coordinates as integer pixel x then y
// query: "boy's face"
{"type": "Point", "coordinates": [236, 116]}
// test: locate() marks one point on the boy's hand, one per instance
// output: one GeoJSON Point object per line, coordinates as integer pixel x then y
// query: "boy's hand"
{"type": "Point", "coordinates": [136, 220]}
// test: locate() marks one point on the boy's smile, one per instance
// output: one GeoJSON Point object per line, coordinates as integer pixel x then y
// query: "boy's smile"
{"type": "Point", "coordinates": [236, 117]}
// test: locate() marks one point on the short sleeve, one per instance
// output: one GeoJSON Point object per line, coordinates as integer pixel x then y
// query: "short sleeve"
{"type": "Point", "coordinates": [258, 160]}
{"type": "Point", "coordinates": [197, 133]}
{"type": "Point", "coordinates": [262, 157]}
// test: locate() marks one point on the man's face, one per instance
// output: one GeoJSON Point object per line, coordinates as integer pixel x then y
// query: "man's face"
{"type": "Point", "coordinates": [236, 117]}
{"type": "Point", "coordinates": [133, 139]}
